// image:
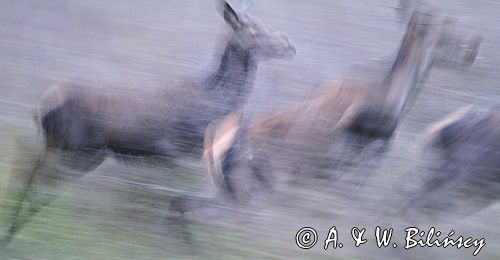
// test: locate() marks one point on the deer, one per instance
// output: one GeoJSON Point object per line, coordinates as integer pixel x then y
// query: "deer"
{"type": "Point", "coordinates": [361, 113]}
{"type": "Point", "coordinates": [458, 163]}
{"type": "Point", "coordinates": [82, 127]}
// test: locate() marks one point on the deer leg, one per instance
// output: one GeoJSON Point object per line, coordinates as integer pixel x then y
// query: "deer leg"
{"type": "Point", "coordinates": [372, 154]}
{"type": "Point", "coordinates": [27, 161]}
{"type": "Point", "coordinates": [443, 175]}
{"type": "Point", "coordinates": [40, 187]}
{"type": "Point", "coordinates": [31, 202]}
{"type": "Point", "coordinates": [263, 172]}
{"type": "Point", "coordinates": [342, 158]}
{"type": "Point", "coordinates": [367, 153]}
{"type": "Point", "coordinates": [238, 176]}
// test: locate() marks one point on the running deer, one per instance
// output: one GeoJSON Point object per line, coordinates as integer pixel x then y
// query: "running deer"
{"type": "Point", "coordinates": [358, 112]}
{"type": "Point", "coordinates": [82, 127]}
{"type": "Point", "coordinates": [460, 164]}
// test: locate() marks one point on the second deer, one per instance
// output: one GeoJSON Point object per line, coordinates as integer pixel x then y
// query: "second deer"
{"type": "Point", "coordinates": [357, 112]}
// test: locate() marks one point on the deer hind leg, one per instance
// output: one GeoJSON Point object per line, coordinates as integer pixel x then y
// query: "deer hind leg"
{"type": "Point", "coordinates": [353, 155]}
{"type": "Point", "coordinates": [235, 173]}
{"type": "Point", "coordinates": [371, 157]}
{"type": "Point", "coordinates": [241, 174]}
{"type": "Point", "coordinates": [33, 188]}
{"type": "Point", "coordinates": [29, 156]}
{"type": "Point", "coordinates": [426, 184]}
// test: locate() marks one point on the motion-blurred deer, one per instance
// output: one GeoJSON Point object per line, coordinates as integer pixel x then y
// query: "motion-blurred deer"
{"type": "Point", "coordinates": [82, 127]}
{"type": "Point", "coordinates": [360, 113]}
{"type": "Point", "coordinates": [459, 165]}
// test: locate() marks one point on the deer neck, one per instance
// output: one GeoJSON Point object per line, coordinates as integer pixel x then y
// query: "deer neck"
{"type": "Point", "coordinates": [228, 88]}
{"type": "Point", "coordinates": [409, 69]}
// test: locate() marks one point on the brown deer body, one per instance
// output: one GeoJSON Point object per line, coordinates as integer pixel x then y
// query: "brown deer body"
{"type": "Point", "coordinates": [81, 127]}
{"type": "Point", "coordinates": [358, 112]}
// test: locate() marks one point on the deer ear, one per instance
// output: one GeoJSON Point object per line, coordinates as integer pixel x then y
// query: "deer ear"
{"type": "Point", "coordinates": [231, 17]}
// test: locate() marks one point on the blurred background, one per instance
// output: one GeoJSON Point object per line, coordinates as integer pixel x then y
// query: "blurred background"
{"type": "Point", "coordinates": [122, 211]}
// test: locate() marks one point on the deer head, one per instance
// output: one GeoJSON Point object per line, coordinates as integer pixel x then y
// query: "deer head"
{"type": "Point", "coordinates": [250, 35]}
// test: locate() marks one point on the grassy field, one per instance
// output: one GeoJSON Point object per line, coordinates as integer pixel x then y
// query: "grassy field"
{"type": "Point", "coordinates": [122, 212]}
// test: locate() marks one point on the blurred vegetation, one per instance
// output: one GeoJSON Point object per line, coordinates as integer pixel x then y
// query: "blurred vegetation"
{"type": "Point", "coordinates": [122, 212]}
